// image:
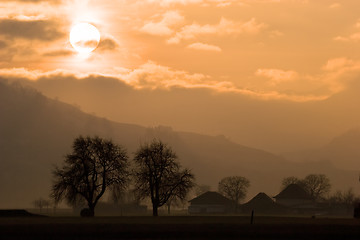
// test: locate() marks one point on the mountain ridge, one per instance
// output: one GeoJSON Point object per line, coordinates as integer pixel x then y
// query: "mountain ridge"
{"type": "Point", "coordinates": [36, 132]}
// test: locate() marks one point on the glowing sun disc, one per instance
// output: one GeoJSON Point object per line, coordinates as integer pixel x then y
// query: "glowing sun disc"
{"type": "Point", "coordinates": [84, 37]}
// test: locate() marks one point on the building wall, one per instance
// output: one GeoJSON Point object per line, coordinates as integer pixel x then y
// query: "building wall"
{"type": "Point", "coordinates": [207, 209]}
{"type": "Point", "coordinates": [292, 202]}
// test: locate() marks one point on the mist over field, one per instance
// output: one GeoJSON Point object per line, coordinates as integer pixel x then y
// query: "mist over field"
{"type": "Point", "coordinates": [37, 132]}
{"type": "Point", "coordinates": [259, 89]}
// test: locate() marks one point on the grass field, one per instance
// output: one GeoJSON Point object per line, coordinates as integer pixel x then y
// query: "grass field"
{"type": "Point", "coordinates": [186, 227]}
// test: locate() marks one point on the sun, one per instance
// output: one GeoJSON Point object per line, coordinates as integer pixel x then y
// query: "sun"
{"type": "Point", "coordinates": [84, 37]}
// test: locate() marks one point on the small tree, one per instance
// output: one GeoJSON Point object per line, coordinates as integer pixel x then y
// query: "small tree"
{"type": "Point", "coordinates": [159, 176]}
{"type": "Point", "coordinates": [235, 188]}
{"type": "Point", "coordinates": [317, 185]}
{"type": "Point", "coordinates": [290, 180]}
{"type": "Point", "coordinates": [94, 165]}
{"type": "Point", "coordinates": [347, 197]}
{"type": "Point", "coordinates": [41, 203]}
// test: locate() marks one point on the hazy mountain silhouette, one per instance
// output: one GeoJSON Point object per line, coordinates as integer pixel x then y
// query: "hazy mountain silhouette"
{"type": "Point", "coordinates": [36, 132]}
{"type": "Point", "coordinates": [275, 126]}
{"type": "Point", "coordinates": [343, 151]}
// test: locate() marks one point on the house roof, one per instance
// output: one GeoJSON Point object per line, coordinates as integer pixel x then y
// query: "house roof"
{"type": "Point", "coordinates": [260, 199]}
{"type": "Point", "coordinates": [263, 203]}
{"type": "Point", "coordinates": [212, 198]}
{"type": "Point", "coordinates": [293, 191]}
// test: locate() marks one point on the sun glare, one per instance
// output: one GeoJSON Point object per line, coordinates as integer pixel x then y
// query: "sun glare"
{"type": "Point", "coordinates": [84, 37]}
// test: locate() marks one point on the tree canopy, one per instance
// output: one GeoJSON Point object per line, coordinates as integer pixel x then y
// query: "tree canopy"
{"type": "Point", "coordinates": [316, 185]}
{"type": "Point", "coordinates": [94, 165]}
{"type": "Point", "coordinates": [234, 188]}
{"type": "Point", "coordinates": [159, 176]}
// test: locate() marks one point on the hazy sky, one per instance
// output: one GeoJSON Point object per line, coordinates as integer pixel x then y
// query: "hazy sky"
{"type": "Point", "coordinates": [292, 51]}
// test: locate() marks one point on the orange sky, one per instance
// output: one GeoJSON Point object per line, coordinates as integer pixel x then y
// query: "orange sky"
{"type": "Point", "coordinates": [295, 50]}
{"type": "Point", "coordinates": [274, 74]}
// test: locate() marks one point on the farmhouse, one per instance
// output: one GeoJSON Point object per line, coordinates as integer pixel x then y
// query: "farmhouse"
{"type": "Point", "coordinates": [263, 204]}
{"type": "Point", "coordinates": [294, 195]}
{"type": "Point", "coordinates": [211, 203]}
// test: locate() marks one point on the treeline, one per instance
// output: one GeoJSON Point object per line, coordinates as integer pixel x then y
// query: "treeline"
{"type": "Point", "coordinates": [97, 165]}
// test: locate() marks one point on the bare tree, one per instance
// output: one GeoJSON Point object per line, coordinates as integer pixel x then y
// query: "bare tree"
{"type": "Point", "coordinates": [317, 185]}
{"type": "Point", "coordinates": [347, 197]}
{"type": "Point", "coordinates": [41, 203]}
{"type": "Point", "coordinates": [290, 180]}
{"type": "Point", "coordinates": [235, 188]}
{"type": "Point", "coordinates": [94, 165]}
{"type": "Point", "coordinates": [159, 176]}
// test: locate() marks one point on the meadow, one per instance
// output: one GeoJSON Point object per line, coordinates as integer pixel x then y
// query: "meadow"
{"type": "Point", "coordinates": [179, 227]}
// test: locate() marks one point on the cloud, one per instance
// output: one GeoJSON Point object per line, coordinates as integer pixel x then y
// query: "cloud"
{"type": "Point", "coordinates": [224, 27]}
{"type": "Point", "coordinates": [166, 3]}
{"type": "Point", "coordinates": [87, 43]}
{"type": "Point", "coordinates": [35, 1]}
{"type": "Point", "coordinates": [277, 76]}
{"type": "Point", "coordinates": [163, 27]}
{"type": "Point", "coordinates": [216, 3]}
{"type": "Point", "coordinates": [220, 3]}
{"type": "Point", "coordinates": [154, 76]}
{"type": "Point", "coordinates": [3, 44]}
{"type": "Point", "coordinates": [338, 64]}
{"type": "Point", "coordinates": [43, 30]}
{"type": "Point", "coordinates": [354, 37]}
{"type": "Point", "coordinates": [58, 53]}
{"type": "Point", "coordinates": [204, 47]}
{"type": "Point", "coordinates": [107, 44]}
{"type": "Point", "coordinates": [335, 5]}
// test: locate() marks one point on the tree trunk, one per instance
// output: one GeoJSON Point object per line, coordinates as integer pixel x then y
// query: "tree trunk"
{"type": "Point", "coordinates": [92, 211]}
{"type": "Point", "coordinates": [155, 210]}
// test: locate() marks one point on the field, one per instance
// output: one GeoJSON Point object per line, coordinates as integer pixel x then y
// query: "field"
{"type": "Point", "coordinates": [185, 227]}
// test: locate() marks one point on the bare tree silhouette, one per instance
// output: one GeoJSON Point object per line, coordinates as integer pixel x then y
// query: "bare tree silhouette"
{"type": "Point", "coordinates": [235, 188]}
{"type": "Point", "coordinates": [41, 203]}
{"type": "Point", "coordinates": [290, 180]}
{"type": "Point", "coordinates": [94, 165]}
{"type": "Point", "coordinates": [159, 176]}
{"type": "Point", "coordinates": [316, 185]}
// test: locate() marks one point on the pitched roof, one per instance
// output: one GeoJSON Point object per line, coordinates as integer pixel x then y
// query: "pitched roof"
{"type": "Point", "coordinates": [211, 198]}
{"type": "Point", "coordinates": [260, 199]}
{"type": "Point", "coordinates": [262, 203]}
{"type": "Point", "coordinates": [293, 191]}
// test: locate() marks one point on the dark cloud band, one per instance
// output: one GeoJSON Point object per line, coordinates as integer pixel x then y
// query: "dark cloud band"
{"type": "Point", "coordinates": [43, 30]}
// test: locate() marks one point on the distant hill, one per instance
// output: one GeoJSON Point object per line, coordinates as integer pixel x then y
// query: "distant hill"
{"type": "Point", "coordinates": [36, 132]}
{"type": "Point", "coordinates": [343, 151]}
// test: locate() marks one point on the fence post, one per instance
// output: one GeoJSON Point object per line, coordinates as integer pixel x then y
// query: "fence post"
{"type": "Point", "coordinates": [252, 217]}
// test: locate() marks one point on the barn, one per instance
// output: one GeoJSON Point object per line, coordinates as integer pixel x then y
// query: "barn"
{"type": "Point", "coordinates": [211, 203]}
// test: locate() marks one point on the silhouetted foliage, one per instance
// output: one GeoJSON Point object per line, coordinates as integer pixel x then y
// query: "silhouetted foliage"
{"type": "Point", "coordinates": [347, 197]}
{"type": "Point", "coordinates": [94, 165]}
{"type": "Point", "coordinates": [234, 188]}
{"type": "Point", "coordinates": [173, 202]}
{"type": "Point", "coordinates": [317, 185]}
{"type": "Point", "coordinates": [41, 203]}
{"type": "Point", "coordinates": [159, 176]}
{"type": "Point", "coordinates": [290, 180]}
